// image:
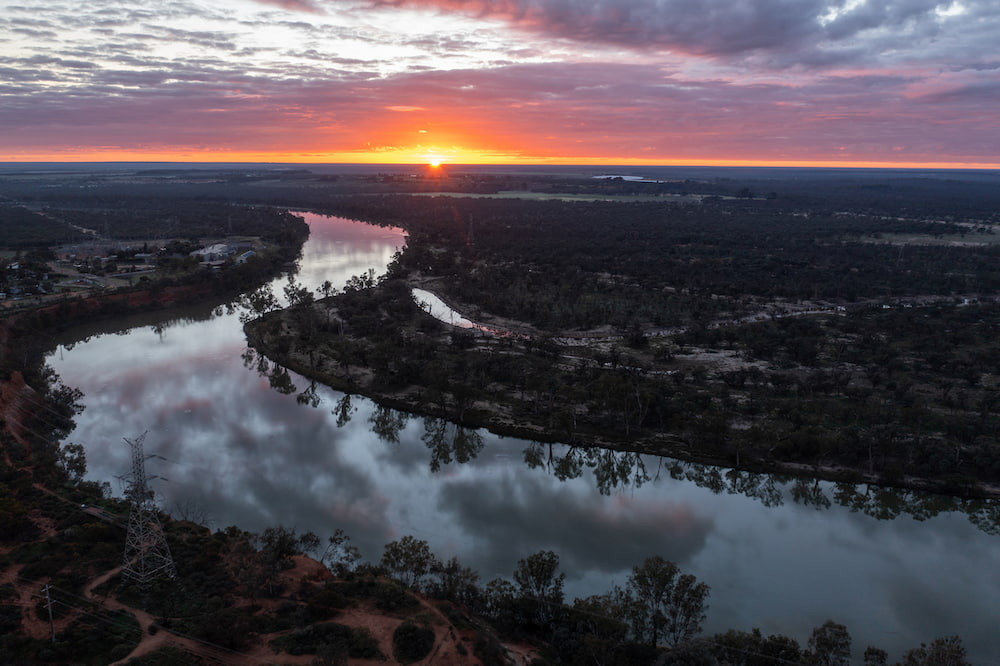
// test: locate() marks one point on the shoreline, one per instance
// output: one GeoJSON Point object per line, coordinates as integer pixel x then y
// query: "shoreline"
{"type": "Point", "coordinates": [495, 416]}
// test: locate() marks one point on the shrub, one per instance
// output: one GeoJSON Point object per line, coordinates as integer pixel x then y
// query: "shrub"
{"type": "Point", "coordinates": [392, 597]}
{"type": "Point", "coordinates": [358, 642]}
{"type": "Point", "coordinates": [411, 642]}
{"type": "Point", "coordinates": [10, 619]}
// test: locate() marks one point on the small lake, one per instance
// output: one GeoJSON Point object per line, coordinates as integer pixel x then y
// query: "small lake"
{"type": "Point", "coordinates": [778, 555]}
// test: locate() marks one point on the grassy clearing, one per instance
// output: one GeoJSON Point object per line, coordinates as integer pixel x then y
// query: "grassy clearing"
{"type": "Point", "coordinates": [540, 196]}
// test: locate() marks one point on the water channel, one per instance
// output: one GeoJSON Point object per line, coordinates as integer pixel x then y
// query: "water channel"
{"type": "Point", "coordinates": [232, 450]}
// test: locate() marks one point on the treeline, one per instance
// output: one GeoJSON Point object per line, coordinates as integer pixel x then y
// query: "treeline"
{"type": "Point", "coordinates": [899, 396]}
{"type": "Point", "coordinates": [24, 228]}
{"type": "Point", "coordinates": [136, 218]}
{"type": "Point", "coordinates": [897, 391]}
{"type": "Point", "coordinates": [439, 377]}
{"type": "Point", "coordinates": [946, 194]}
{"type": "Point", "coordinates": [565, 265]}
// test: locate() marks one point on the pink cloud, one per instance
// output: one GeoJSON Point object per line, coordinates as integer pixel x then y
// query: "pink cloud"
{"type": "Point", "coordinates": [584, 109]}
{"type": "Point", "coordinates": [761, 85]}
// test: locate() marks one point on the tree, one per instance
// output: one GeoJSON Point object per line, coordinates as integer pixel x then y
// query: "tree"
{"type": "Point", "coordinates": [455, 582]}
{"type": "Point", "coordinates": [663, 603]}
{"type": "Point", "coordinates": [343, 410]}
{"type": "Point", "coordinates": [830, 645]}
{"type": "Point", "coordinates": [360, 282]}
{"type": "Point", "coordinates": [408, 560]}
{"type": "Point", "coordinates": [277, 547]}
{"type": "Point", "coordinates": [297, 294]}
{"type": "Point", "coordinates": [740, 648]}
{"type": "Point", "coordinates": [257, 303]}
{"type": "Point", "coordinates": [448, 442]}
{"type": "Point", "coordinates": [309, 543]}
{"type": "Point", "coordinates": [300, 301]}
{"type": "Point", "coordinates": [536, 577]}
{"type": "Point", "coordinates": [191, 510]}
{"type": "Point", "coordinates": [602, 617]}
{"type": "Point", "coordinates": [73, 460]}
{"type": "Point", "coordinates": [876, 656]}
{"type": "Point", "coordinates": [340, 555]}
{"type": "Point", "coordinates": [387, 423]}
{"type": "Point", "coordinates": [498, 601]}
{"type": "Point", "coordinates": [539, 585]}
{"type": "Point", "coordinates": [948, 651]}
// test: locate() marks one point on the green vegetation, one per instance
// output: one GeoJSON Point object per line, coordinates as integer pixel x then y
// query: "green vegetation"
{"type": "Point", "coordinates": [866, 394]}
{"type": "Point", "coordinates": [565, 266]}
{"type": "Point", "coordinates": [24, 228]}
{"type": "Point", "coordinates": [411, 642]}
{"type": "Point", "coordinates": [330, 638]}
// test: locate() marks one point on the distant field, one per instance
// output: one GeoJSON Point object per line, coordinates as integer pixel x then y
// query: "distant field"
{"type": "Point", "coordinates": [555, 196]}
{"type": "Point", "coordinates": [969, 239]}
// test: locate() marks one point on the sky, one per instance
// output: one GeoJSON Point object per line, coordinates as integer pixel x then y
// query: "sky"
{"type": "Point", "coordinates": [707, 82]}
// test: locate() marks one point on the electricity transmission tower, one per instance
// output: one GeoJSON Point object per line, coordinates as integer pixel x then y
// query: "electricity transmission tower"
{"type": "Point", "coordinates": [147, 555]}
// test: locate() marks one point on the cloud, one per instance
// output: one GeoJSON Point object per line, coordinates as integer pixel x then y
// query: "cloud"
{"type": "Point", "coordinates": [590, 534]}
{"type": "Point", "coordinates": [294, 5]}
{"type": "Point", "coordinates": [812, 33]}
{"type": "Point", "coordinates": [774, 79]}
{"type": "Point", "coordinates": [702, 26]}
{"type": "Point", "coordinates": [585, 109]}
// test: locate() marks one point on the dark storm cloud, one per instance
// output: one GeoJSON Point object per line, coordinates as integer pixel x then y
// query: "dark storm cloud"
{"type": "Point", "coordinates": [805, 32]}
{"type": "Point", "coordinates": [692, 26]}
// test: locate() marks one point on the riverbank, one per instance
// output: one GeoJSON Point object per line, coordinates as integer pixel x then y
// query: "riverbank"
{"type": "Point", "coordinates": [28, 332]}
{"type": "Point", "coordinates": [377, 343]}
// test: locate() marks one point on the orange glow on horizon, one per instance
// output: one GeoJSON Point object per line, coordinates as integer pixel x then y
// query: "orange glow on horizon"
{"type": "Point", "coordinates": [458, 156]}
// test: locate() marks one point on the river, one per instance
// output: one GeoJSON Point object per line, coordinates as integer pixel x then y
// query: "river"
{"type": "Point", "coordinates": [232, 450]}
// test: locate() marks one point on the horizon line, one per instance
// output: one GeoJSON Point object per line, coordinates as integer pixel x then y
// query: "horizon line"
{"type": "Point", "coordinates": [846, 165]}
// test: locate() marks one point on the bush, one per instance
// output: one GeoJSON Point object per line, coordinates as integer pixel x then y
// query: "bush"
{"type": "Point", "coordinates": [325, 602]}
{"type": "Point", "coordinates": [391, 597]}
{"type": "Point", "coordinates": [411, 642]}
{"type": "Point", "coordinates": [363, 645]}
{"type": "Point", "coordinates": [87, 642]}
{"type": "Point", "coordinates": [358, 642]}
{"type": "Point", "coordinates": [489, 650]}
{"type": "Point", "coordinates": [10, 619]}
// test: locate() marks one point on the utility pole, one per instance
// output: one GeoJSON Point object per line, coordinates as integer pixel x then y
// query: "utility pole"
{"type": "Point", "coordinates": [48, 605]}
{"type": "Point", "coordinates": [147, 555]}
